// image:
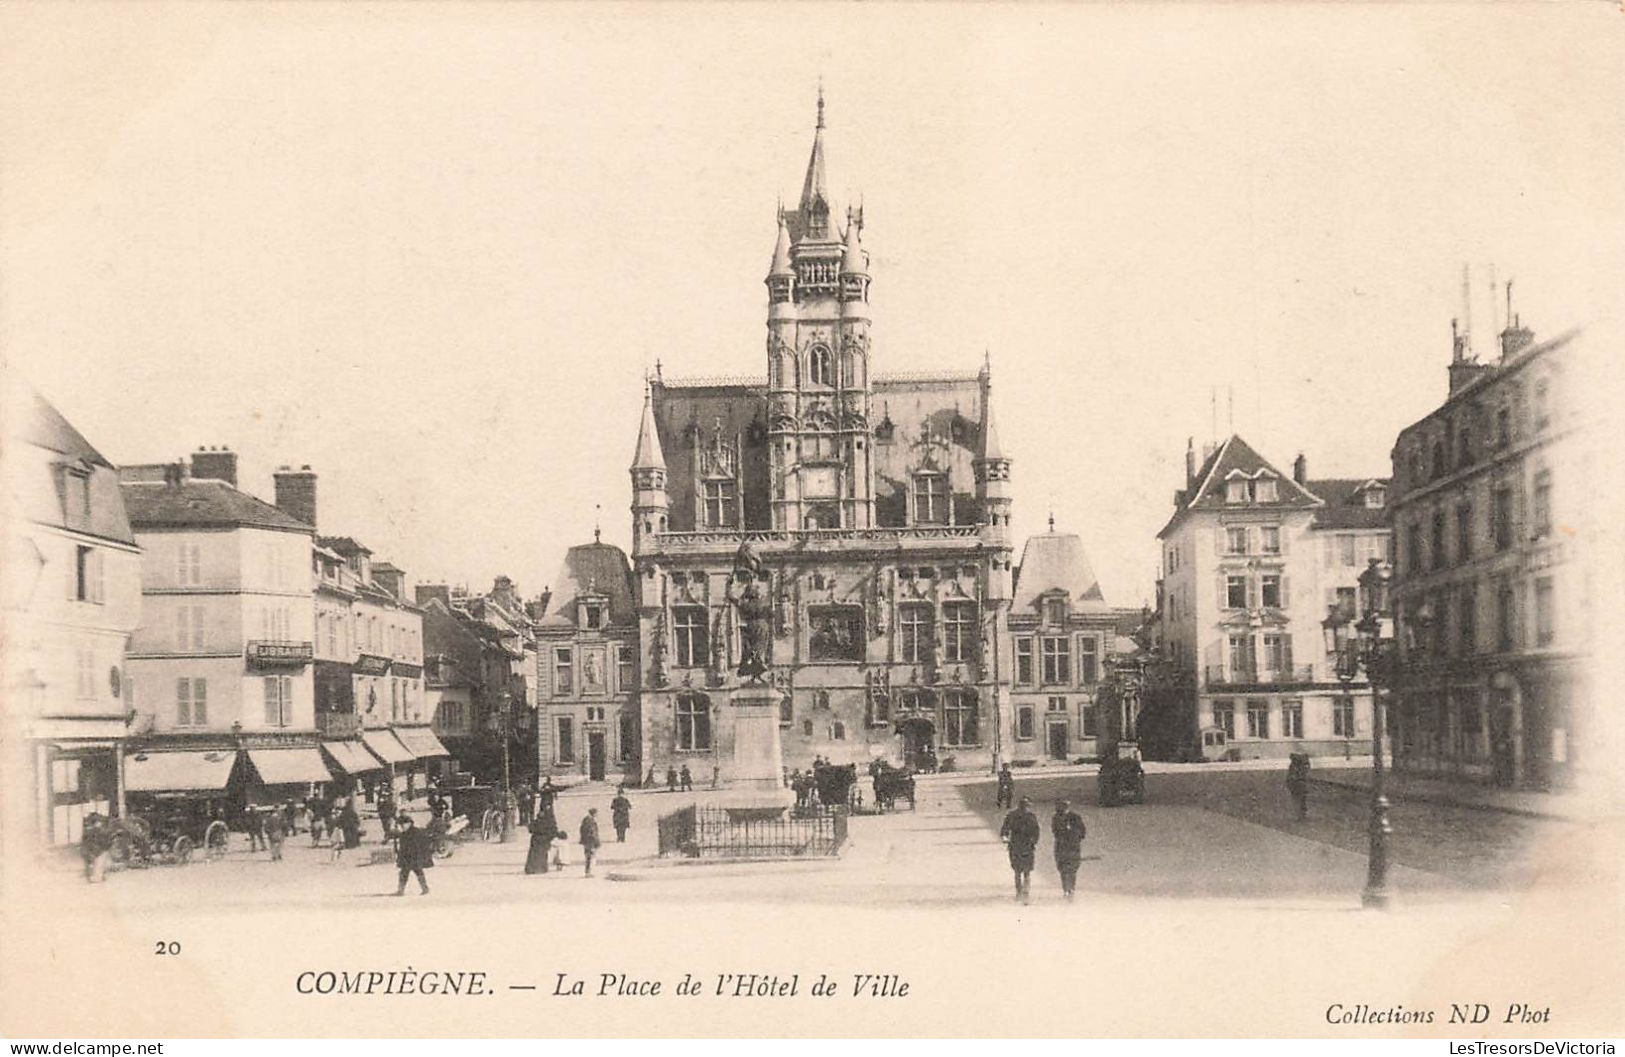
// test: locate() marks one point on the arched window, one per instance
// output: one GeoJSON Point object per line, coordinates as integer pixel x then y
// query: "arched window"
{"type": "Point", "coordinates": [693, 722]}
{"type": "Point", "coordinates": [820, 371]}
{"type": "Point", "coordinates": [849, 369]}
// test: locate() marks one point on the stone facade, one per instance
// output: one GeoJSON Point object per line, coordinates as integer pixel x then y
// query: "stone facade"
{"type": "Point", "coordinates": [1491, 590]}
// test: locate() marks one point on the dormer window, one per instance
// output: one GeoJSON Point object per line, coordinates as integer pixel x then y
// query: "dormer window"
{"type": "Point", "coordinates": [721, 501]}
{"type": "Point", "coordinates": [1235, 491]}
{"type": "Point", "coordinates": [1240, 489]}
{"type": "Point", "coordinates": [1376, 497]}
{"type": "Point", "coordinates": [1265, 490]}
{"type": "Point", "coordinates": [930, 499]}
{"type": "Point", "coordinates": [1055, 611]}
{"type": "Point", "coordinates": [594, 614]}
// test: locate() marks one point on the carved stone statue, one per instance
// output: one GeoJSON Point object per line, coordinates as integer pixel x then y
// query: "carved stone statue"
{"type": "Point", "coordinates": [754, 611]}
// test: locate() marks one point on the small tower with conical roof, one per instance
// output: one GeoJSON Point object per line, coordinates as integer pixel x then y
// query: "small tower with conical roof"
{"type": "Point", "coordinates": [649, 504]}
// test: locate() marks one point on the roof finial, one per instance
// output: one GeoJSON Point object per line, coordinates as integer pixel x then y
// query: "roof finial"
{"type": "Point", "coordinates": [820, 100]}
{"type": "Point", "coordinates": [1052, 521]}
{"type": "Point", "coordinates": [597, 518]}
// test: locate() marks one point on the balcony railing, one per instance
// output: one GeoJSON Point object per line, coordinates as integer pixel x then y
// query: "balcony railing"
{"type": "Point", "coordinates": [338, 724]}
{"type": "Point", "coordinates": [1249, 675]}
{"type": "Point", "coordinates": [890, 536]}
{"type": "Point", "coordinates": [278, 653]}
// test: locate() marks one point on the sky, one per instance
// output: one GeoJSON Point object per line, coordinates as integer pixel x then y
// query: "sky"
{"type": "Point", "coordinates": [432, 250]}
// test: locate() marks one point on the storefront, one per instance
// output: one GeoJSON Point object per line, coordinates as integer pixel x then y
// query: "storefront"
{"type": "Point", "coordinates": [431, 758]}
{"type": "Point", "coordinates": [285, 774]}
{"type": "Point", "coordinates": [351, 765]}
{"type": "Point", "coordinates": [397, 758]}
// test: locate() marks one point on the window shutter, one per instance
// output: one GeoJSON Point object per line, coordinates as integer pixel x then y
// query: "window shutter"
{"type": "Point", "coordinates": [1281, 539]}
{"type": "Point", "coordinates": [200, 701]}
{"type": "Point", "coordinates": [1223, 596]}
{"type": "Point", "coordinates": [183, 702]}
{"type": "Point", "coordinates": [1219, 537]}
{"type": "Point", "coordinates": [1286, 594]}
{"type": "Point", "coordinates": [1286, 653]}
{"type": "Point", "coordinates": [1255, 590]}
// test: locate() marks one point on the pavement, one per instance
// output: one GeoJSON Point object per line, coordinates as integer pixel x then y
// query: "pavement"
{"type": "Point", "coordinates": [1204, 833]}
{"type": "Point", "coordinates": [1532, 803]}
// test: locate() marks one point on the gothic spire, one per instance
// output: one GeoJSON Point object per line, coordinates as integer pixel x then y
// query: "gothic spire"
{"type": "Point", "coordinates": [648, 456]}
{"type": "Point", "coordinates": [992, 450]}
{"type": "Point", "coordinates": [853, 260]}
{"type": "Point", "coordinates": [812, 188]}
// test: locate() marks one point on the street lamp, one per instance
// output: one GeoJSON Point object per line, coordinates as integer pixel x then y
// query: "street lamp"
{"type": "Point", "coordinates": [1369, 649]}
{"type": "Point", "coordinates": [508, 813]}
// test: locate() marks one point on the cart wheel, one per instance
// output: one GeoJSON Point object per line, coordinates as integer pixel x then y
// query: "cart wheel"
{"type": "Point", "coordinates": [140, 827]}
{"type": "Point", "coordinates": [215, 839]}
{"type": "Point", "coordinates": [182, 850]}
{"type": "Point", "coordinates": [120, 848]}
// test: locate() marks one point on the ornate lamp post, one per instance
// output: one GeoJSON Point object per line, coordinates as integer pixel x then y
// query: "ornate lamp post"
{"type": "Point", "coordinates": [509, 808]}
{"type": "Point", "coordinates": [1371, 649]}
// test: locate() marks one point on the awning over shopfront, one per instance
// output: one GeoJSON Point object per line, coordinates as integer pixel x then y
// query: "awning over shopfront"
{"type": "Point", "coordinates": [386, 746]}
{"type": "Point", "coordinates": [289, 766]}
{"type": "Point", "coordinates": [162, 772]}
{"type": "Point", "coordinates": [421, 742]}
{"type": "Point", "coordinates": [352, 757]}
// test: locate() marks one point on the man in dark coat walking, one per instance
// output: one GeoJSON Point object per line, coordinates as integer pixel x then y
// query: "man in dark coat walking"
{"type": "Point", "coordinates": [686, 778]}
{"type": "Point", "coordinates": [1068, 830]}
{"type": "Point", "coordinates": [414, 853]}
{"type": "Point", "coordinates": [671, 779]}
{"type": "Point", "coordinates": [620, 814]}
{"type": "Point", "coordinates": [1020, 832]}
{"type": "Point", "coordinates": [589, 837]}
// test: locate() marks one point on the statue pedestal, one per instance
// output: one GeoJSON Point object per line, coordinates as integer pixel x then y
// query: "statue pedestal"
{"type": "Point", "coordinates": [754, 771]}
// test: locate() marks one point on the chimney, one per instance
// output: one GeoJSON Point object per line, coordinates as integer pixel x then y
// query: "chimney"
{"type": "Point", "coordinates": [424, 592]}
{"type": "Point", "coordinates": [1190, 461]}
{"type": "Point", "coordinates": [215, 464]}
{"type": "Point", "coordinates": [390, 579]}
{"type": "Point", "coordinates": [1515, 338]}
{"type": "Point", "coordinates": [296, 493]}
{"type": "Point", "coordinates": [1300, 469]}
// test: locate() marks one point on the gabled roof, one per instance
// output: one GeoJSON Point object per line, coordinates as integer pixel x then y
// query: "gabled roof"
{"type": "Point", "coordinates": [1236, 458]}
{"type": "Point", "coordinates": [1345, 503]}
{"type": "Point", "coordinates": [1056, 561]}
{"type": "Point", "coordinates": [197, 503]}
{"type": "Point", "coordinates": [599, 569]}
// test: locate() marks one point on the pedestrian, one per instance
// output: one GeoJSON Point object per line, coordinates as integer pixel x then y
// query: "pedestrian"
{"type": "Point", "coordinates": [543, 832]}
{"type": "Point", "coordinates": [1068, 830]}
{"type": "Point", "coordinates": [255, 822]}
{"type": "Point", "coordinates": [318, 827]}
{"type": "Point", "coordinates": [671, 779]}
{"type": "Point", "coordinates": [96, 847]}
{"type": "Point", "coordinates": [589, 837]}
{"type": "Point", "coordinates": [386, 814]}
{"type": "Point", "coordinates": [1297, 783]}
{"type": "Point", "coordinates": [1020, 833]}
{"type": "Point", "coordinates": [1007, 787]}
{"type": "Point", "coordinates": [620, 814]}
{"type": "Point", "coordinates": [527, 804]}
{"type": "Point", "coordinates": [414, 853]}
{"type": "Point", "coordinates": [687, 779]}
{"type": "Point", "coordinates": [350, 824]}
{"type": "Point", "coordinates": [276, 828]}
{"type": "Point", "coordinates": [290, 816]}
{"type": "Point", "coordinates": [716, 777]}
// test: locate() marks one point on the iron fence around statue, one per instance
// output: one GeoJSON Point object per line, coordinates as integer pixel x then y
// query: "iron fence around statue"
{"type": "Point", "coordinates": [723, 833]}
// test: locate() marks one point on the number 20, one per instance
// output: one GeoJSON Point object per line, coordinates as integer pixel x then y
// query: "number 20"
{"type": "Point", "coordinates": [167, 947]}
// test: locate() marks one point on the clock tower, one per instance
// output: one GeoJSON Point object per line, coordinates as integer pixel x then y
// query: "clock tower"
{"type": "Point", "coordinates": [820, 461]}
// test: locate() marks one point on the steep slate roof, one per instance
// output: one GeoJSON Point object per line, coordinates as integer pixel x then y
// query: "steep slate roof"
{"type": "Point", "coordinates": [343, 545]}
{"type": "Point", "coordinates": [43, 426]}
{"type": "Point", "coordinates": [688, 415]}
{"type": "Point", "coordinates": [1345, 503]}
{"type": "Point", "coordinates": [1056, 560]}
{"type": "Point", "coordinates": [1236, 456]}
{"type": "Point", "coordinates": [599, 568]}
{"type": "Point", "coordinates": [197, 503]}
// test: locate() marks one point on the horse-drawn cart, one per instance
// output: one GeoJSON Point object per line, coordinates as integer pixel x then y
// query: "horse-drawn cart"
{"type": "Point", "coordinates": [891, 785]}
{"type": "Point", "coordinates": [168, 832]}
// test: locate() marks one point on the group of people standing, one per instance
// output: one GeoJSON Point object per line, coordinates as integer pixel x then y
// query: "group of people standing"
{"type": "Point", "coordinates": [545, 832]}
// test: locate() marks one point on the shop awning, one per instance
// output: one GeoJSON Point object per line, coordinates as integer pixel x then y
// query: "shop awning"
{"type": "Point", "coordinates": [352, 757]}
{"type": "Point", "coordinates": [421, 742]}
{"type": "Point", "coordinates": [289, 766]}
{"type": "Point", "coordinates": [160, 772]}
{"type": "Point", "coordinates": [386, 746]}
